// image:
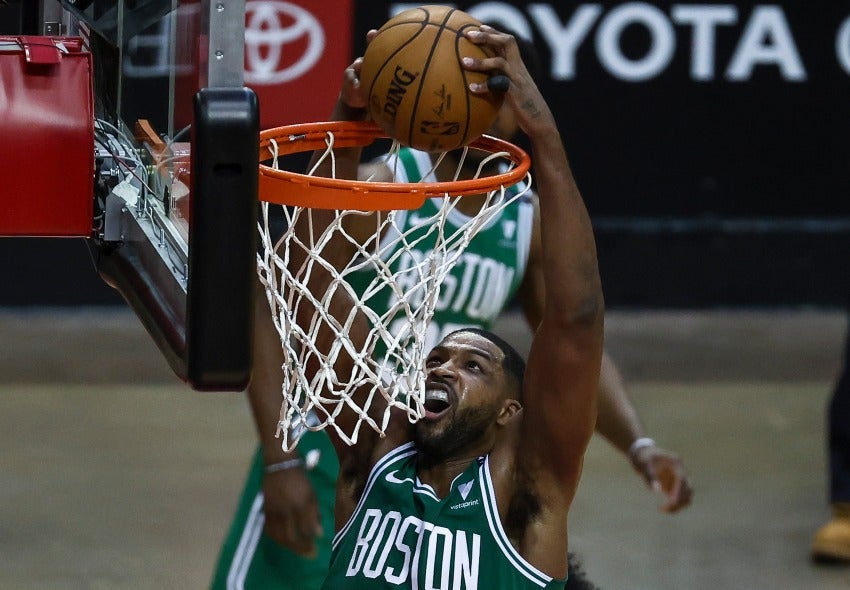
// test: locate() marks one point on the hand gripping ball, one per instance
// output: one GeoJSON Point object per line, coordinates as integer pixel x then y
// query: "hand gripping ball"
{"type": "Point", "coordinates": [416, 87]}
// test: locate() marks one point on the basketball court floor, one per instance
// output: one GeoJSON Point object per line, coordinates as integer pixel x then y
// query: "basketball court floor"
{"type": "Point", "coordinates": [115, 475]}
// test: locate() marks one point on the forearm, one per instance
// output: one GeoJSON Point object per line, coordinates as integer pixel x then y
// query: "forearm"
{"type": "Point", "coordinates": [573, 288]}
{"type": "Point", "coordinates": [618, 422]}
{"type": "Point", "coordinates": [264, 391]}
{"type": "Point", "coordinates": [617, 418]}
{"type": "Point", "coordinates": [572, 320]}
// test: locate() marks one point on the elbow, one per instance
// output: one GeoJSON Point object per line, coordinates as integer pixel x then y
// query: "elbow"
{"type": "Point", "coordinates": [586, 313]}
{"type": "Point", "coordinates": [590, 310]}
{"type": "Point", "coordinates": [575, 299]}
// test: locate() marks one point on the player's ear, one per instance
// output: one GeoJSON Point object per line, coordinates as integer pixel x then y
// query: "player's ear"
{"type": "Point", "coordinates": [510, 408]}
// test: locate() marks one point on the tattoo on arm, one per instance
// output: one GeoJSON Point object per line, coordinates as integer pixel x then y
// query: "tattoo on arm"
{"type": "Point", "coordinates": [531, 108]}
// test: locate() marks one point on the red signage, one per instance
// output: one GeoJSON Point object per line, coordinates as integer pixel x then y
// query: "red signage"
{"type": "Point", "coordinates": [295, 53]}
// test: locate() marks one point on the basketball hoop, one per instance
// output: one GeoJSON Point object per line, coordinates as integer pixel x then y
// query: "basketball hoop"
{"type": "Point", "coordinates": [391, 360]}
{"type": "Point", "coordinates": [291, 188]}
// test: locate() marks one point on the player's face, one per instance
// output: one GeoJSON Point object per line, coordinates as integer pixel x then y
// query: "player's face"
{"type": "Point", "coordinates": [464, 387]}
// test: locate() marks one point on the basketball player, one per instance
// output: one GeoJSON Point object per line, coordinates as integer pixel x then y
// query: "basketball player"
{"type": "Point", "coordinates": [476, 493]}
{"type": "Point", "coordinates": [290, 504]}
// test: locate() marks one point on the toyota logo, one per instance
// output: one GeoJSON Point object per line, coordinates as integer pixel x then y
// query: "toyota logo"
{"type": "Point", "coordinates": [271, 28]}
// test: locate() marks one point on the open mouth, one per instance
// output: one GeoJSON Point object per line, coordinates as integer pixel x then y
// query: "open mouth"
{"type": "Point", "coordinates": [436, 403]}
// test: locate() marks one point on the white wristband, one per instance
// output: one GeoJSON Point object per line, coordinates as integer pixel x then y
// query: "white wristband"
{"type": "Point", "coordinates": [639, 444]}
{"type": "Point", "coordinates": [284, 465]}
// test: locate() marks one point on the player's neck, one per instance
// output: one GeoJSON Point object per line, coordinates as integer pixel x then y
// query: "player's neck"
{"type": "Point", "coordinates": [439, 474]}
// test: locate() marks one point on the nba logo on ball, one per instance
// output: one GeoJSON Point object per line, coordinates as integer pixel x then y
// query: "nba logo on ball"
{"type": "Point", "coordinates": [416, 87]}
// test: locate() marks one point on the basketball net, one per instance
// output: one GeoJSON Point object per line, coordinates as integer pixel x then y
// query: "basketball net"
{"type": "Point", "coordinates": [407, 266]}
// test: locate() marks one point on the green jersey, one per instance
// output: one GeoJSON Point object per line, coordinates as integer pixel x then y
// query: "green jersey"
{"type": "Point", "coordinates": [478, 288]}
{"type": "Point", "coordinates": [401, 535]}
{"type": "Point", "coordinates": [485, 277]}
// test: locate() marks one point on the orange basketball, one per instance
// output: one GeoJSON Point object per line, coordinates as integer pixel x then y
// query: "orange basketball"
{"type": "Point", "coordinates": [416, 87]}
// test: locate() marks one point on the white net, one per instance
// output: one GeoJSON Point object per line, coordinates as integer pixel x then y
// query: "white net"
{"type": "Point", "coordinates": [393, 280]}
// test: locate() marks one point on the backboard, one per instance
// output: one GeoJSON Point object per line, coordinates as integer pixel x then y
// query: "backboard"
{"type": "Point", "coordinates": [175, 179]}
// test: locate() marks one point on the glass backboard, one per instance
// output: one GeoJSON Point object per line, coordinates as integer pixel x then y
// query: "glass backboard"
{"type": "Point", "coordinates": [176, 150]}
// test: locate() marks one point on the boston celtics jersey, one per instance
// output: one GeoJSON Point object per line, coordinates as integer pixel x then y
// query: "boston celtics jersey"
{"type": "Point", "coordinates": [485, 277]}
{"type": "Point", "coordinates": [401, 535]}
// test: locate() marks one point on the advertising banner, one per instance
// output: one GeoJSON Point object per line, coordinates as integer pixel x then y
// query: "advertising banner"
{"type": "Point", "coordinates": [691, 109]}
{"type": "Point", "coordinates": [709, 138]}
{"type": "Point", "coordinates": [295, 52]}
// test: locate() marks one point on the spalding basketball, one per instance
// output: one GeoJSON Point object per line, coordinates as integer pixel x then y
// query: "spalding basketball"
{"type": "Point", "coordinates": [415, 85]}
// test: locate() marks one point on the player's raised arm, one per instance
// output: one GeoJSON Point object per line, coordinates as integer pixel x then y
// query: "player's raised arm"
{"type": "Point", "coordinates": [563, 365]}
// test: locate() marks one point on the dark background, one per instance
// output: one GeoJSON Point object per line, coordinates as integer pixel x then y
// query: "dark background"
{"type": "Point", "coordinates": [714, 193]}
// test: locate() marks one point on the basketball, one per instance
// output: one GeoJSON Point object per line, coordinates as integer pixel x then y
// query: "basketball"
{"type": "Point", "coordinates": [416, 87]}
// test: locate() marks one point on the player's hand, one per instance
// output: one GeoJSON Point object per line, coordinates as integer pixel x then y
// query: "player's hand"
{"type": "Point", "coordinates": [510, 77]}
{"type": "Point", "coordinates": [351, 95]}
{"type": "Point", "coordinates": [292, 513]}
{"type": "Point", "coordinates": [664, 472]}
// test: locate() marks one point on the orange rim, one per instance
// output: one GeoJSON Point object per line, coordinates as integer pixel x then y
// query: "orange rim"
{"type": "Point", "coordinates": [316, 192]}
